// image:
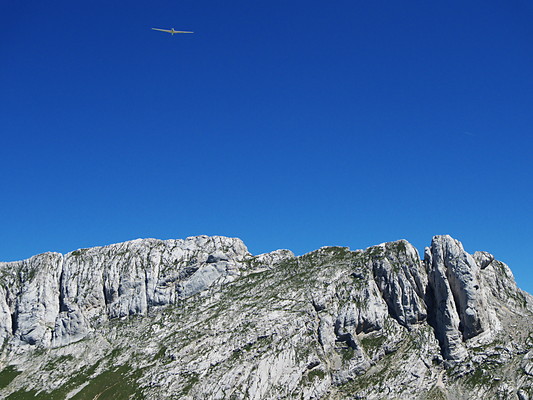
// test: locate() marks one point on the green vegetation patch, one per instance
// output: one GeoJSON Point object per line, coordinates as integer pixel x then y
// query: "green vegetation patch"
{"type": "Point", "coordinates": [7, 375]}
{"type": "Point", "coordinates": [479, 377]}
{"type": "Point", "coordinates": [316, 373]}
{"type": "Point", "coordinates": [79, 252]}
{"type": "Point", "coordinates": [111, 385]}
{"type": "Point", "coordinates": [347, 353]}
{"type": "Point", "coordinates": [191, 379]}
{"type": "Point", "coordinates": [162, 355]}
{"type": "Point", "coordinates": [435, 393]}
{"type": "Point", "coordinates": [312, 375]}
{"type": "Point", "coordinates": [22, 395]}
{"type": "Point", "coordinates": [371, 343]}
{"type": "Point", "coordinates": [400, 246]}
{"type": "Point", "coordinates": [119, 383]}
{"type": "Point", "coordinates": [375, 251]}
{"type": "Point", "coordinates": [52, 365]}
{"type": "Point", "coordinates": [336, 253]}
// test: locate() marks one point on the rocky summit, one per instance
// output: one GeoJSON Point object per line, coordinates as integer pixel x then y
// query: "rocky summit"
{"type": "Point", "coordinates": [202, 318]}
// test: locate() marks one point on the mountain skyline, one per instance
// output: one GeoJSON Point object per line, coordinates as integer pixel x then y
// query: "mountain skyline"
{"type": "Point", "coordinates": [204, 318]}
{"type": "Point", "coordinates": [286, 124]}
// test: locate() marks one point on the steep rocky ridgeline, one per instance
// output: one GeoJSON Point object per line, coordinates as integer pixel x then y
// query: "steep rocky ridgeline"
{"type": "Point", "coordinates": [202, 318]}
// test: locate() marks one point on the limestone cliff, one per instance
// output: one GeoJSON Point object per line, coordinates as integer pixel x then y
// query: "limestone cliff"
{"type": "Point", "coordinates": [202, 318]}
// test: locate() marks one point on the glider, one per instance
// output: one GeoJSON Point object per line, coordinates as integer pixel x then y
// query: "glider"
{"type": "Point", "coordinates": [172, 31]}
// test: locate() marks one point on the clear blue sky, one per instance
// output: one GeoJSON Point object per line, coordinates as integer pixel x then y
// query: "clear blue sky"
{"type": "Point", "coordinates": [289, 124]}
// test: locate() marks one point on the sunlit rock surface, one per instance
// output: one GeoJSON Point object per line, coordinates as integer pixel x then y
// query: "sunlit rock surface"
{"type": "Point", "coordinates": [202, 318]}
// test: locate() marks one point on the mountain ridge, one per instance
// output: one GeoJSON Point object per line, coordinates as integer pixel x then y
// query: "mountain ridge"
{"type": "Point", "coordinates": [312, 326]}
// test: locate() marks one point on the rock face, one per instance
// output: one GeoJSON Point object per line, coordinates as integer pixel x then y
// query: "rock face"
{"type": "Point", "coordinates": [458, 312]}
{"type": "Point", "coordinates": [52, 300]}
{"type": "Point", "coordinates": [402, 282]}
{"type": "Point", "coordinates": [202, 318]}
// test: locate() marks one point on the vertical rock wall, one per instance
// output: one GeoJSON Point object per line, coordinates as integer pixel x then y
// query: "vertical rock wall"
{"type": "Point", "coordinates": [53, 300]}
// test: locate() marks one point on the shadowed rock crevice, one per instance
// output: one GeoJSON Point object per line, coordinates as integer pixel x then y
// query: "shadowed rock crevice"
{"type": "Point", "coordinates": [62, 305]}
{"type": "Point", "coordinates": [14, 323]}
{"type": "Point", "coordinates": [432, 312]}
{"type": "Point", "coordinates": [348, 339]}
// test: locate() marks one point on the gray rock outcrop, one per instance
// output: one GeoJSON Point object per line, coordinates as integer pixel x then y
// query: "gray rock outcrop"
{"type": "Point", "coordinates": [397, 272]}
{"type": "Point", "coordinates": [53, 300]}
{"type": "Point", "coordinates": [458, 311]}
